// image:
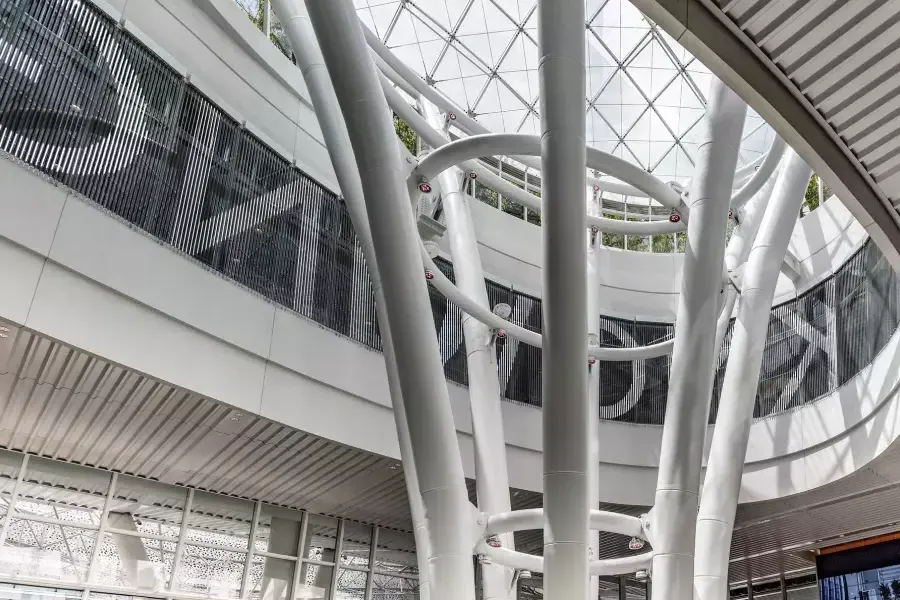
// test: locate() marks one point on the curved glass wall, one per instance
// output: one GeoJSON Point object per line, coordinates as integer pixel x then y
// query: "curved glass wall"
{"type": "Point", "coordinates": [163, 157]}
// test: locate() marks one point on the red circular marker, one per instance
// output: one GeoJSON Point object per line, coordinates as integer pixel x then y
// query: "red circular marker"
{"type": "Point", "coordinates": [425, 188]}
{"type": "Point", "coordinates": [452, 116]}
{"type": "Point", "coordinates": [493, 542]}
{"type": "Point", "coordinates": [596, 188]}
{"type": "Point", "coordinates": [592, 361]}
{"type": "Point", "coordinates": [674, 217]}
{"type": "Point", "coordinates": [429, 275]}
{"type": "Point", "coordinates": [473, 175]}
{"type": "Point", "coordinates": [501, 333]}
{"type": "Point", "coordinates": [595, 229]}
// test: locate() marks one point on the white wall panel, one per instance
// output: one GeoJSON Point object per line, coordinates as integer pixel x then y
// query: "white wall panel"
{"type": "Point", "coordinates": [94, 318]}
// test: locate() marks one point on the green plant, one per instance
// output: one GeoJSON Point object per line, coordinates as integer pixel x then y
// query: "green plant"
{"type": "Point", "coordinates": [885, 591]}
{"type": "Point", "coordinates": [895, 587]}
{"type": "Point", "coordinates": [406, 135]}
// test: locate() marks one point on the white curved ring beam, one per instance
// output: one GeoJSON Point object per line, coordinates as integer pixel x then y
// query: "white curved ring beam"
{"type": "Point", "coordinates": [493, 144]}
{"type": "Point", "coordinates": [469, 306]}
{"type": "Point", "coordinates": [756, 181]}
{"type": "Point", "coordinates": [517, 194]}
{"type": "Point", "coordinates": [535, 564]}
{"type": "Point", "coordinates": [533, 518]}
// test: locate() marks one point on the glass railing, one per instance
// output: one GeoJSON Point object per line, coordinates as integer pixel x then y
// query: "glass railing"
{"type": "Point", "coordinates": [86, 104]}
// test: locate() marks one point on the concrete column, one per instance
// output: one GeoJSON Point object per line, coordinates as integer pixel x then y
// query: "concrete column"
{"type": "Point", "coordinates": [690, 385]}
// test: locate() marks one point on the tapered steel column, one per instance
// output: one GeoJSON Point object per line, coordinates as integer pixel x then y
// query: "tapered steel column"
{"type": "Point", "coordinates": [491, 477]}
{"type": "Point", "coordinates": [690, 382]}
{"type": "Point", "coordinates": [424, 391]}
{"type": "Point", "coordinates": [294, 19]}
{"type": "Point", "coordinates": [715, 522]}
{"type": "Point", "coordinates": [563, 164]}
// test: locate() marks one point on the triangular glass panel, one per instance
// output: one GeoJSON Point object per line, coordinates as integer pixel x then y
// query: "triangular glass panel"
{"type": "Point", "coordinates": [671, 95]}
{"type": "Point", "coordinates": [531, 20]}
{"type": "Point", "coordinates": [496, 19]}
{"type": "Point", "coordinates": [455, 91]}
{"type": "Point", "coordinates": [455, 9]}
{"type": "Point", "coordinates": [448, 68]}
{"type": "Point", "coordinates": [611, 38]}
{"type": "Point", "coordinates": [701, 81]}
{"type": "Point", "coordinates": [512, 119]}
{"type": "Point", "coordinates": [473, 23]}
{"type": "Point", "coordinates": [643, 77]}
{"type": "Point", "coordinates": [608, 146]}
{"type": "Point", "coordinates": [598, 130]}
{"type": "Point", "coordinates": [669, 115]}
{"type": "Point", "coordinates": [531, 125]}
{"type": "Point", "coordinates": [510, 100]}
{"type": "Point", "coordinates": [411, 56]}
{"type": "Point", "coordinates": [632, 17]}
{"type": "Point", "coordinates": [596, 54]}
{"type": "Point", "coordinates": [478, 48]}
{"type": "Point", "coordinates": [640, 129]}
{"type": "Point", "coordinates": [644, 56]}
{"type": "Point", "coordinates": [434, 10]}
{"type": "Point", "coordinates": [474, 86]}
{"type": "Point", "coordinates": [518, 81]}
{"type": "Point", "coordinates": [658, 130]}
{"type": "Point", "coordinates": [632, 41]}
{"type": "Point", "coordinates": [500, 41]}
{"type": "Point", "coordinates": [493, 121]}
{"type": "Point", "coordinates": [638, 153]}
{"type": "Point", "coordinates": [663, 160]}
{"type": "Point", "coordinates": [689, 118]}
{"type": "Point", "coordinates": [490, 100]}
{"type": "Point", "coordinates": [597, 78]}
{"type": "Point", "coordinates": [620, 90]}
{"type": "Point", "coordinates": [661, 78]}
{"type": "Point", "coordinates": [612, 113]}
{"type": "Point", "coordinates": [515, 57]}
{"type": "Point", "coordinates": [609, 16]}
{"type": "Point", "coordinates": [631, 113]}
{"type": "Point", "coordinates": [591, 7]}
{"type": "Point", "coordinates": [383, 16]}
{"type": "Point", "coordinates": [425, 29]}
{"type": "Point", "coordinates": [531, 53]}
{"type": "Point", "coordinates": [534, 84]}
{"type": "Point", "coordinates": [685, 165]}
{"type": "Point", "coordinates": [431, 52]}
{"type": "Point", "coordinates": [510, 7]}
{"type": "Point", "coordinates": [681, 55]}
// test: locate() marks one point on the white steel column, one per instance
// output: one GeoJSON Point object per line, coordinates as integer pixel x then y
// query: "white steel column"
{"type": "Point", "coordinates": [424, 390]}
{"type": "Point", "coordinates": [715, 522]}
{"type": "Point", "coordinates": [491, 478]}
{"type": "Point", "coordinates": [302, 37]}
{"type": "Point", "coordinates": [563, 165]}
{"type": "Point", "coordinates": [593, 420]}
{"type": "Point", "coordinates": [690, 383]}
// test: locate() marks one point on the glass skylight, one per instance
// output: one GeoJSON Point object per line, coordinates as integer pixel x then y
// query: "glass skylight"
{"type": "Point", "coordinates": [646, 95]}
